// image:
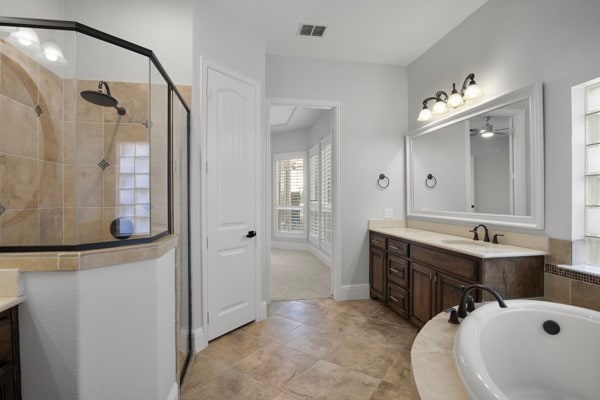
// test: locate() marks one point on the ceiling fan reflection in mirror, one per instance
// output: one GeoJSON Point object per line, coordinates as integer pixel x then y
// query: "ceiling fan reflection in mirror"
{"type": "Point", "coordinates": [487, 131]}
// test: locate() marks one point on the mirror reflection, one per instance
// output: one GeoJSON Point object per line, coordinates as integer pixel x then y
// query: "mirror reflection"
{"type": "Point", "coordinates": [476, 165]}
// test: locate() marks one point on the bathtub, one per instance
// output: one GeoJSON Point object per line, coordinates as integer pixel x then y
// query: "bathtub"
{"type": "Point", "coordinates": [508, 354]}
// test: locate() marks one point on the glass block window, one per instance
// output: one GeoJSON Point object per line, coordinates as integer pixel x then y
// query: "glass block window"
{"type": "Point", "coordinates": [134, 185]}
{"type": "Point", "coordinates": [592, 176]}
{"type": "Point", "coordinates": [289, 204]}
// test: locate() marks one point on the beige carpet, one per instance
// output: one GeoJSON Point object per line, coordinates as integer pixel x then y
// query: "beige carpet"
{"type": "Point", "coordinates": [298, 275]}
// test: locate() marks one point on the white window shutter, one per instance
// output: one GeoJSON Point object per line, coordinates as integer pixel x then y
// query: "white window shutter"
{"type": "Point", "coordinates": [314, 185]}
{"type": "Point", "coordinates": [326, 195]}
{"type": "Point", "coordinates": [289, 202]}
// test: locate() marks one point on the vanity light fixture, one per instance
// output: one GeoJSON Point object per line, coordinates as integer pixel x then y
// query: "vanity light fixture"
{"type": "Point", "coordinates": [26, 38]}
{"type": "Point", "coordinates": [440, 107]}
{"type": "Point", "coordinates": [469, 91]}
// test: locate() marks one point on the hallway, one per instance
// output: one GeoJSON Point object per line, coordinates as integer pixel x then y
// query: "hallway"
{"type": "Point", "coordinates": [310, 349]}
{"type": "Point", "coordinates": [298, 275]}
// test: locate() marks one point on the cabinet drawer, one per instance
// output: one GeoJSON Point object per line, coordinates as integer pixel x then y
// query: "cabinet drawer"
{"type": "Point", "coordinates": [450, 263]}
{"type": "Point", "coordinates": [6, 338]}
{"type": "Point", "coordinates": [397, 270]}
{"type": "Point", "coordinates": [377, 240]}
{"type": "Point", "coordinates": [397, 246]}
{"type": "Point", "coordinates": [397, 299]}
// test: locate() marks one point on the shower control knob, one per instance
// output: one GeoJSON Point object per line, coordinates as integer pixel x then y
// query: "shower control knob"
{"type": "Point", "coordinates": [251, 234]}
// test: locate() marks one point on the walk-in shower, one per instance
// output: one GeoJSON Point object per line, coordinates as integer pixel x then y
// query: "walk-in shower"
{"type": "Point", "coordinates": [93, 149]}
{"type": "Point", "coordinates": [88, 126]}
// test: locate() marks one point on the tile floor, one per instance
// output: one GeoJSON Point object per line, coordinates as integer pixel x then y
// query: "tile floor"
{"type": "Point", "coordinates": [309, 349]}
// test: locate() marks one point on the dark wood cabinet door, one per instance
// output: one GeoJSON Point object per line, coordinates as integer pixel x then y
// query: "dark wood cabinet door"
{"type": "Point", "coordinates": [421, 293]}
{"type": "Point", "coordinates": [397, 299]}
{"type": "Point", "coordinates": [7, 382]}
{"type": "Point", "coordinates": [377, 273]}
{"type": "Point", "coordinates": [397, 270]}
{"type": "Point", "coordinates": [449, 292]}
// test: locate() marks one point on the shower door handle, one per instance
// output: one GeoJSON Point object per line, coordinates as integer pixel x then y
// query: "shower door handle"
{"type": "Point", "coordinates": [251, 234]}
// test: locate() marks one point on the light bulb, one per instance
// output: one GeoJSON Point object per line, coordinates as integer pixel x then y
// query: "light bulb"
{"type": "Point", "coordinates": [455, 100]}
{"type": "Point", "coordinates": [53, 53]}
{"type": "Point", "coordinates": [487, 134]}
{"type": "Point", "coordinates": [25, 38]}
{"type": "Point", "coordinates": [424, 115]}
{"type": "Point", "coordinates": [473, 92]}
{"type": "Point", "coordinates": [439, 107]}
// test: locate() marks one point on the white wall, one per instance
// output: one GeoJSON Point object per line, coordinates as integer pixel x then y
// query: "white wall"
{"type": "Point", "coordinates": [373, 99]}
{"type": "Point", "coordinates": [320, 129]}
{"type": "Point", "coordinates": [510, 44]}
{"type": "Point", "coordinates": [105, 333]}
{"type": "Point", "coordinates": [165, 27]}
{"type": "Point", "coordinates": [290, 141]}
{"type": "Point", "coordinates": [444, 155]}
{"type": "Point", "coordinates": [46, 9]}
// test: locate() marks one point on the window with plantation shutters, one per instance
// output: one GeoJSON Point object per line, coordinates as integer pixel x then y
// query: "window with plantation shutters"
{"type": "Point", "coordinates": [314, 195]}
{"type": "Point", "coordinates": [326, 195]}
{"type": "Point", "coordinates": [289, 202]}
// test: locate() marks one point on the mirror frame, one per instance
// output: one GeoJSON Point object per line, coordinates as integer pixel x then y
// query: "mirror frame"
{"type": "Point", "coordinates": [532, 93]}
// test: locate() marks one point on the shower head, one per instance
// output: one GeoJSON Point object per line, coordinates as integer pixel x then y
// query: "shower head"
{"type": "Point", "coordinates": [101, 98]}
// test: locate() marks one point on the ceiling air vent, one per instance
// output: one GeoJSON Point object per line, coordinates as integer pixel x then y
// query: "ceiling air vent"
{"type": "Point", "coordinates": [311, 30]}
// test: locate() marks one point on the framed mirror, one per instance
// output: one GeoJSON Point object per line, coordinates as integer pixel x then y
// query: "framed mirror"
{"type": "Point", "coordinates": [484, 164]}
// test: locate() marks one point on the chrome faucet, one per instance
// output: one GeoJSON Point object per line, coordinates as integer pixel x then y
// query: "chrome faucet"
{"type": "Point", "coordinates": [486, 237]}
{"type": "Point", "coordinates": [467, 303]}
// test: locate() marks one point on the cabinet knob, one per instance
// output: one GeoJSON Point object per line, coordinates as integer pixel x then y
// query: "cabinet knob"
{"type": "Point", "coordinates": [394, 270]}
{"type": "Point", "coordinates": [395, 300]}
{"type": "Point", "coordinates": [393, 247]}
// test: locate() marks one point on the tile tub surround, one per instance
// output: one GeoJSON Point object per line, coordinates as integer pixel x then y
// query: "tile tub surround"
{"type": "Point", "coordinates": [573, 285]}
{"type": "Point", "coordinates": [309, 349]}
{"type": "Point", "coordinates": [89, 259]}
{"type": "Point", "coordinates": [433, 366]}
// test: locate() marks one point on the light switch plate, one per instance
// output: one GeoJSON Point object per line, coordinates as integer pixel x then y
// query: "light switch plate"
{"type": "Point", "coordinates": [388, 213]}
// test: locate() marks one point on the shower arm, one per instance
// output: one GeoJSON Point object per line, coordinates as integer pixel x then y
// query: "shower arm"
{"type": "Point", "coordinates": [103, 83]}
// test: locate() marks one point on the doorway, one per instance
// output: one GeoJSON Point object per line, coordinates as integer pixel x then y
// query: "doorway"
{"type": "Point", "coordinates": [302, 160]}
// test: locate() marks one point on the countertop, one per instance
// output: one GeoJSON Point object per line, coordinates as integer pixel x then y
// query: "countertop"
{"type": "Point", "coordinates": [10, 302]}
{"type": "Point", "coordinates": [432, 359]}
{"type": "Point", "coordinates": [465, 246]}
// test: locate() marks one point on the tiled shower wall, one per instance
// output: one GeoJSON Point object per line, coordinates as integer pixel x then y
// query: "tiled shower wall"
{"type": "Point", "coordinates": [31, 151]}
{"type": "Point", "coordinates": [59, 161]}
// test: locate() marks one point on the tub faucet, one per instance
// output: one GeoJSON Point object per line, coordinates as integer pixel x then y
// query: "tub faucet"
{"type": "Point", "coordinates": [486, 237]}
{"type": "Point", "coordinates": [467, 303]}
{"type": "Point", "coordinates": [462, 307]}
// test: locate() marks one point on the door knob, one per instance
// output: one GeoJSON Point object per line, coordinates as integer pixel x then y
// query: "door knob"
{"type": "Point", "coordinates": [251, 234]}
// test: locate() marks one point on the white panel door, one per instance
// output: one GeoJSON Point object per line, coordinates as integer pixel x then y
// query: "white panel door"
{"type": "Point", "coordinates": [231, 202]}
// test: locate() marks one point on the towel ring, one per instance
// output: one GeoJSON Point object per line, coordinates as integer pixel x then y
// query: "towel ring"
{"type": "Point", "coordinates": [430, 181]}
{"type": "Point", "coordinates": [385, 180]}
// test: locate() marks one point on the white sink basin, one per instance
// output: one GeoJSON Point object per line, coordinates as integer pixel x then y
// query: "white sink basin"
{"type": "Point", "coordinates": [505, 353]}
{"type": "Point", "coordinates": [465, 242]}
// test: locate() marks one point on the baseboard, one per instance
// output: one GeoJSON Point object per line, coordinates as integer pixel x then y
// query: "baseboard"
{"type": "Point", "coordinates": [324, 258]}
{"type": "Point", "coordinates": [262, 311]}
{"type": "Point", "coordinates": [279, 244]}
{"type": "Point", "coordinates": [184, 335]}
{"type": "Point", "coordinates": [199, 340]}
{"type": "Point", "coordinates": [354, 292]}
{"type": "Point", "coordinates": [174, 392]}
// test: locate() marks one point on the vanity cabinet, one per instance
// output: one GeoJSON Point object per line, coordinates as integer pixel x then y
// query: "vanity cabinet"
{"type": "Point", "coordinates": [10, 374]}
{"type": "Point", "coordinates": [419, 281]}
